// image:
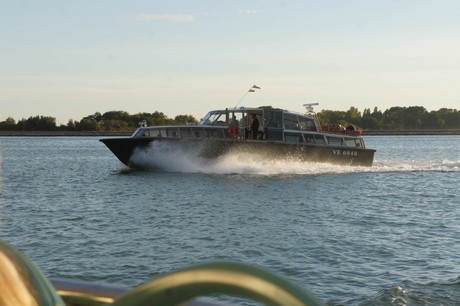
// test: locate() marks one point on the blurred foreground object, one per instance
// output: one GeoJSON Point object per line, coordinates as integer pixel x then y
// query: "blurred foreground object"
{"type": "Point", "coordinates": [23, 284]}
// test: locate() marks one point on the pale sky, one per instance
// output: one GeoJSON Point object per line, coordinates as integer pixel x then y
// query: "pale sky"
{"type": "Point", "coordinates": [70, 59]}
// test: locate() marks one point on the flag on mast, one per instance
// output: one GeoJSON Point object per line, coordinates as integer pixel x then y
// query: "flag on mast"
{"type": "Point", "coordinates": [252, 89]}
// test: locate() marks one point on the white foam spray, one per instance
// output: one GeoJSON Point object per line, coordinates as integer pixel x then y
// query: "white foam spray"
{"type": "Point", "coordinates": [174, 158]}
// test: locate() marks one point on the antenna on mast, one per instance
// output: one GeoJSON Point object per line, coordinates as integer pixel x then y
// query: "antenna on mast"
{"type": "Point", "coordinates": [309, 107]}
{"type": "Point", "coordinates": [311, 112]}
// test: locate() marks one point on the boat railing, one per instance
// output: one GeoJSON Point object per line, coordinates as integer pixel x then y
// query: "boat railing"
{"type": "Point", "coordinates": [183, 132]}
{"type": "Point", "coordinates": [313, 138]}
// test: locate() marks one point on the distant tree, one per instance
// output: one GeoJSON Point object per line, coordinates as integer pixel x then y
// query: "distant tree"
{"type": "Point", "coordinates": [116, 115]}
{"type": "Point", "coordinates": [353, 114]}
{"type": "Point", "coordinates": [96, 118]}
{"type": "Point", "coordinates": [377, 114]}
{"type": "Point", "coordinates": [116, 125]}
{"type": "Point", "coordinates": [185, 119]}
{"type": "Point", "coordinates": [37, 123]}
{"type": "Point", "coordinates": [140, 118]}
{"type": "Point", "coordinates": [330, 116]}
{"type": "Point", "coordinates": [87, 124]}
{"type": "Point", "coordinates": [369, 122]}
{"type": "Point", "coordinates": [393, 118]}
{"type": "Point", "coordinates": [451, 118]}
{"type": "Point", "coordinates": [431, 120]}
{"type": "Point", "coordinates": [70, 125]}
{"type": "Point", "coordinates": [159, 118]}
{"type": "Point", "coordinates": [8, 125]}
{"type": "Point", "coordinates": [412, 117]}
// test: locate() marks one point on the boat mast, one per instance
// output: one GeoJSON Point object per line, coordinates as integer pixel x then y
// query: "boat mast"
{"type": "Point", "coordinates": [252, 89]}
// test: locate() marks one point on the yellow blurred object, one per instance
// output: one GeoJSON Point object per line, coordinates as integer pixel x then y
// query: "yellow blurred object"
{"type": "Point", "coordinates": [22, 283]}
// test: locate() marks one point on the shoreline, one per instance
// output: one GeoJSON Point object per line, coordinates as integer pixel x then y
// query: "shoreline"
{"type": "Point", "coordinates": [62, 133]}
{"type": "Point", "coordinates": [424, 132]}
{"type": "Point", "coordinates": [128, 133]}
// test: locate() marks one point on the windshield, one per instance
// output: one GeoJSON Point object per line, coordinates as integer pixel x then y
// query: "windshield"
{"type": "Point", "coordinates": [221, 118]}
{"type": "Point", "coordinates": [212, 117]}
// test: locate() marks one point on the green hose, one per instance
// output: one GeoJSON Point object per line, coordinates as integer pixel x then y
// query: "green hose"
{"type": "Point", "coordinates": [217, 278]}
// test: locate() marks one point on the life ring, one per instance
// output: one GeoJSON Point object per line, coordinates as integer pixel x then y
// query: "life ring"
{"type": "Point", "coordinates": [233, 131]}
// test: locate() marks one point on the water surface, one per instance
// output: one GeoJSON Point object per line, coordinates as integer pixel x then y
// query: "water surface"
{"type": "Point", "coordinates": [386, 235]}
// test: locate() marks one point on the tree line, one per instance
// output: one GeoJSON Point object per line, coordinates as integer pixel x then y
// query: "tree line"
{"type": "Point", "coordinates": [394, 118]}
{"type": "Point", "coordinates": [109, 121]}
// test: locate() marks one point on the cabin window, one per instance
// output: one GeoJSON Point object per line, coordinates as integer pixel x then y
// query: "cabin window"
{"type": "Point", "coordinates": [214, 119]}
{"type": "Point", "coordinates": [307, 124]}
{"type": "Point", "coordinates": [205, 120]}
{"type": "Point", "coordinates": [350, 142]}
{"type": "Point", "coordinates": [293, 138]}
{"type": "Point", "coordinates": [354, 142]}
{"type": "Point", "coordinates": [142, 133]}
{"type": "Point", "coordinates": [220, 123]}
{"type": "Point", "coordinates": [173, 132]}
{"type": "Point", "coordinates": [158, 133]}
{"type": "Point", "coordinates": [236, 119]}
{"type": "Point", "coordinates": [184, 132]}
{"type": "Point", "coordinates": [290, 122]}
{"type": "Point", "coordinates": [335, 141]}
{"type": "Point", "coordinates": [273, 118]}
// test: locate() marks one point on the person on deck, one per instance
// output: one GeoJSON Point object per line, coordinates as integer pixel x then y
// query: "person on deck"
{"type": "Point", "coordinates": [254, 126]}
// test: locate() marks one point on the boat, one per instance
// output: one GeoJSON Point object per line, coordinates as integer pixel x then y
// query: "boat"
{"type": "Point", "coordinates": [271, 132]}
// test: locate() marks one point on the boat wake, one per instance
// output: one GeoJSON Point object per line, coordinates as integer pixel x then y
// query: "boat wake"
{"type": "Point", "coordinates": [416, 166]}
{"type": "Point", "coordinates": [173, 158]}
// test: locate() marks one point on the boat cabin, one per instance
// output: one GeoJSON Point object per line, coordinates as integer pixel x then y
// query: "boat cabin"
{"type": "Point", "coordinates": [274, 124]}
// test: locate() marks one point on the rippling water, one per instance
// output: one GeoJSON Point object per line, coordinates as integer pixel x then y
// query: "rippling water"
{"type": "Point", "coordinates": [386, 235]}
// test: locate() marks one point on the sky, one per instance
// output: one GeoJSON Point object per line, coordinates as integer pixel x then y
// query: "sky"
{"type": "Point", "coordinates": [70, 59]}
